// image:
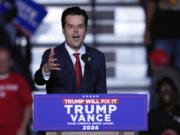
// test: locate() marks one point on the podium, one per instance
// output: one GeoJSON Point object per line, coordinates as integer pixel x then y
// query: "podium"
{"type": "Point", "coordinates": [91, 133]}
{"type": "Point", "coordinates": [96, 114]}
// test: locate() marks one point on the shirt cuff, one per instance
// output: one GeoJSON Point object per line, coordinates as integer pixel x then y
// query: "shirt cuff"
{"type": "Point", "coordinates": [46, 76]}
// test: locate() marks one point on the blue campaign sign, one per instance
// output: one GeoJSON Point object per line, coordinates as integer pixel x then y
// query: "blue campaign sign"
{"type": "Point", "coordinates": [4, 7]}
{"type": "Point", "coordinates": [90, 112]}
{"type": "Point", "coordinates": [30, 15]}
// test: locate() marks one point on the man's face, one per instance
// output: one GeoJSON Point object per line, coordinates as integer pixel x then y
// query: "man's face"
{"type": "Point", "coordinates": [5, 61]}
{"type": "Point", "coordinates": [74, 31]}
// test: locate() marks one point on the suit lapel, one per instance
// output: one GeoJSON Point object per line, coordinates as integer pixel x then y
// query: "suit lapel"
{"type": "Point", "coordinates": [68, 64]}
{"type": "Point", "coordinates": [67, 59]}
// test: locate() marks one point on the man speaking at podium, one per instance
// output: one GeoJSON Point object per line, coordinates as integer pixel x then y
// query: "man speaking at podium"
{"type": "Point", "coordinates": [73, 67]}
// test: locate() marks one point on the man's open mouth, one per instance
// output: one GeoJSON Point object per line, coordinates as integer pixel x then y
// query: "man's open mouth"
{"type": "Point", "coordinates": [75, 37]}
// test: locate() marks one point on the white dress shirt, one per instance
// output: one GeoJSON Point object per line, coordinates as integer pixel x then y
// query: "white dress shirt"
{"type": "Point", "coordinates": [70, 51]}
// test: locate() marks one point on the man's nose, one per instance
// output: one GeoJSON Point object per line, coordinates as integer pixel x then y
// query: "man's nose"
{"type": "Point", "coordinates": [76, 29]}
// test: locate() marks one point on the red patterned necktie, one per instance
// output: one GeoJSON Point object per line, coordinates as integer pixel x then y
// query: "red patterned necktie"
{"type": "Point", "coordinates": [78, 70]}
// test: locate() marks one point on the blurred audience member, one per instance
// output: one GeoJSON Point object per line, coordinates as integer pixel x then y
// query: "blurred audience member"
{"type": "Point", "coordinates": [4, 37]}
{"type": "Point", "coordinates": [6, 20]}
{"type": "Point", "coordinates": [162, 27]}
{"type": "Point", "coordinates": [165, 119]}
{"type": "Point", "coordinates": [8, 34]}
{"type": "Point", "coordinates": [15, 98]}
{"type": "Point", "coordinates": [160, 68]}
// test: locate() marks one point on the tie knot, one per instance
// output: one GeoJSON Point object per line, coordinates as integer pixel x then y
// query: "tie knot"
{"type": "Point", "coordinates": [76, 55]}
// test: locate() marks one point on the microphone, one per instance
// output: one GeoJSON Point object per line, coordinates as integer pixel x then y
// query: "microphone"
{"type": "Point", "coordinates": [86, 58]}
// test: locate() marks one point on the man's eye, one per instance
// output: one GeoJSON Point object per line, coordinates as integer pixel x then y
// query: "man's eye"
{"type": "Point", "coordinates": [69, 26]}
{"type": "Point", "coordinates": [81, 26]}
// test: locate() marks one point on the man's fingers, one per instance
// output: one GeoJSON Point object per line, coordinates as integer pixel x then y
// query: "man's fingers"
{"type": "Point", "coordinates": [51, 53]}
{"type": "Point", "coordinates": [56, 68]}
{"type": "Point", "coordinates": [51, 60]}
{"type": "Point", "coordinates": [54, 65]}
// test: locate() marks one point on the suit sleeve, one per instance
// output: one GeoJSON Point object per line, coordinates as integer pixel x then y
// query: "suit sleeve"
{"type": "Point", "coordinates": [101, 79]}
{"type": "Point", "coordinates": [38, 77]}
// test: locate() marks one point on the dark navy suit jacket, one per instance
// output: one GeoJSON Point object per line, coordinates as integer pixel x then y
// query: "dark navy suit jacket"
{"type": "Point", "coordinates": [64, 81]}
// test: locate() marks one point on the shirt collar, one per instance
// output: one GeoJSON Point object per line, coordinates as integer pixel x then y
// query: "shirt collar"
{"type": "Point", "coordinates": [81, 51]}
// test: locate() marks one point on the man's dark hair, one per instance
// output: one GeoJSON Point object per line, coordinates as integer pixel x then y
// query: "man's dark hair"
{"type": "Point", "coordinates": [166, 80]}
{"type": "Point", "coordinates": [74, 11]}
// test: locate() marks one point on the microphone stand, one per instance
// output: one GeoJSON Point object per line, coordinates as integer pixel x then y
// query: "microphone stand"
{"type": "Point", "coordinates": [86, 60]}
{"type": "Point", "coordinates": [88, 71]}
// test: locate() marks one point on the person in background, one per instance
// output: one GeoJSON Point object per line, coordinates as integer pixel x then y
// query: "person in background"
{"type": "Point", "coordinates": [160, 67]}
{"type": "Point", "coordinates": [6, 20]}
{"type": "Point", "coordinates": [8, 36]}
{"type": "Point", "coordinates": [165, 118]}
{"type": "Point", "coordinates": [15, 98]}
{"type": "Point", "coordinates": [162, 28]}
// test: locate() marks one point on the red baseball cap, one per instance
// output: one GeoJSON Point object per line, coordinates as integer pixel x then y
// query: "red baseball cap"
{"type": "Point", "coordinates": [159, 57]}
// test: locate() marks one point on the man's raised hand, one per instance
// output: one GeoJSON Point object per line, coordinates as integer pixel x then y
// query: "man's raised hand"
{"type": "Point", "coordinates": [51, 65]}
